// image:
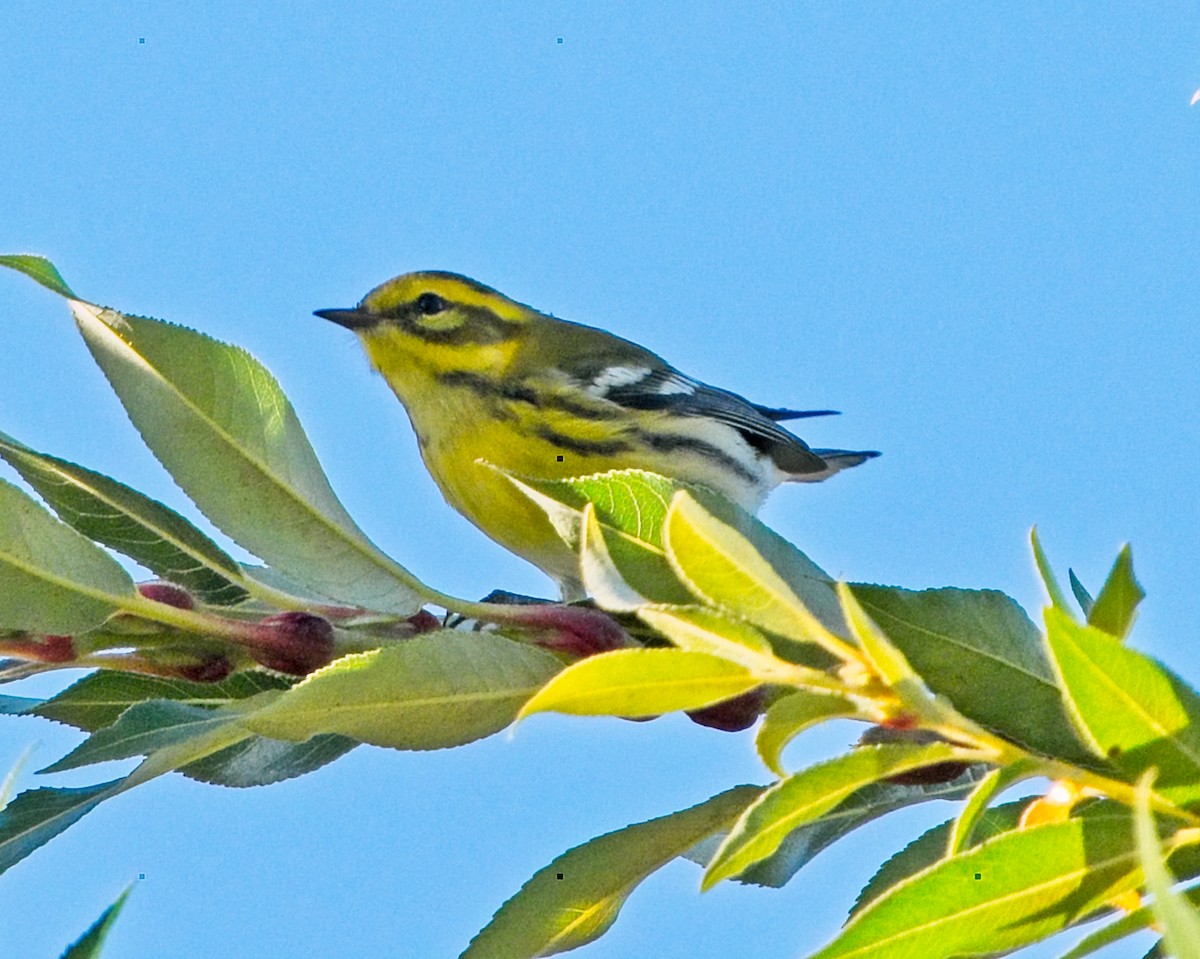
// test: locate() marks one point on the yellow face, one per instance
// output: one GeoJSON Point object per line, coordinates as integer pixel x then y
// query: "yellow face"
{"type": "Point", "coordinates": [424, 326]}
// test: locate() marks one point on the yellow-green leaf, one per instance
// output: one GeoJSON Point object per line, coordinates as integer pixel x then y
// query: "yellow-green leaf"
{"type": "Point", "coordinates": [433, 691]}
{"type": "Point", "coordinates": [723, 568]}
{"type": "Point", "coordinates": [808, 794]}
{"type": "Point", "coordinates": [575, 899]}
{"type": "Point", "coordinates": [221, 425]}
{"type": "Point", "coordinates": [52, 580]}
{"type": "Point", "coordinates": [641, 682]}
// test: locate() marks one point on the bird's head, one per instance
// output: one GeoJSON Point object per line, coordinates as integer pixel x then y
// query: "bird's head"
{"type": "Point", "coordinates": [440, 319]}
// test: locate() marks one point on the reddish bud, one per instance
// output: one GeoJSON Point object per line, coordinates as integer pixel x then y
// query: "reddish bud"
{"type": "Point", "coordinates": [572, 629]}
{"type": "Point", "coordinates": [168, 594]}
{"type": "Point", "coordinates": [734, 714]}
{"type": "Point", "coordinates": [424, 622]}
{"type": "Point", "coordinates": [293, 642]}
{"type": "Point", "coordinates": [900, 720]}
{"type": "Point", "coordinates": [52, 648]}
{"type": "Point", "coordinates": [211, 670]}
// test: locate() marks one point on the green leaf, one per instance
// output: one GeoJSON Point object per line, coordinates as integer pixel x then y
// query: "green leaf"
{"type": "Point", "coordinates": [18, 705]}
{"type": "Point", "coordinates": [1180, 922]}
{"type": "Point", "coordinates": [1122, 928]}
{"type": "Point", "coordinates": [38, 815]}
{"type": "Point", "coordinates": [89, 945]}
{"type": "Point", "coordinates": [1057, 598]}
{"type": "Point", "coordinates": [433, 691]}
{"type": "Point", "coordinates": [1118, 601]}
{"type": "Point", "coordinates": [101, 697]}
{"type": "Point", "coordinates": [9, 782]}
{"type": "Point", "coordinates": [145, 728]}
{"type": "Point", "coordinates": [13, 669]}
{"type": "Point", "coordinates": [930, 847]}
{"type": "Point", "coordinates": [1031, 884]}
{"type": "Point", "coordinates": [701, 630]}
{"type": "Point", "coordinates": [576, 898]}
{"type": "Point", "coordinates": [609, 583]}
{"type": "Point", "coordinates": [641, 682]}
{"type": "Point", "coordinates": [120, 517]}
{"type": "Point", "coordinates": [1129, 708]}
{"type": "Point", "coordinates": [247, 462]}
{"type": "Point", "coordinates": [631, 503]}
{"type": "Point", "coordinates": [186, 709]}
{"type": "Point", "coordinates": [790, 715]}
{"type": "Point", "coordinates": [52, 580]}
{"type": "Point", "coordinates": [979, 650]}
{"type": "Point", "coordinates": [258, 761]}
{"type": "Point", "coordinates": [893, 668]}
{"type": "Point", "coordinates": [631, 507]}
{"type": "Point", "coordinates": [1082, 596]}
{"type": "Point", "coordinates": [808, 794]}
{"type": "Point", "coordinates": [38, 269]}
{"type": "Point", "coordinates": [859, 808]}
{"type": "Point", "coordinates": [974, 810]}
{"type": "Point", "coordinates": [723, 568]}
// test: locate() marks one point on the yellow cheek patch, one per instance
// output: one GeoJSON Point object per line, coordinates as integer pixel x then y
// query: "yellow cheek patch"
{"type": "Point", "coordinates": [440, 322]}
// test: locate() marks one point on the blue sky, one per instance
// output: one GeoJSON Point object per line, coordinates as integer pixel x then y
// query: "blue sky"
{"type": "Point", "coordinates": [971, 228]}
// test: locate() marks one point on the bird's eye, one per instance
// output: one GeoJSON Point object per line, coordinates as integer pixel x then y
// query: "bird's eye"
{"type": "Point", "coordinates": [430, 303]}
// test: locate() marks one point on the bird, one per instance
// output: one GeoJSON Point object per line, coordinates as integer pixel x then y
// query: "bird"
{"type": "Point", "coordinates": [490, 382]}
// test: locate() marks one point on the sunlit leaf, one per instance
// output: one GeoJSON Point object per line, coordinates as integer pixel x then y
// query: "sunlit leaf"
{"type": "Point", "coordinates": [1179, 921]}
{"type": "Point", "coordinates": [979, 650]}
{"type": "Point", "coordinates": [723, 568]}
{"type": "Point", "coordinates": [610, 584]}
{"type": "Point", "coordinates": [575, 899]}
{"type": "Point", "coordinates": [974, 810]}
{"type": "Point", "coordinates": [246, 463]}
{"type": "Point", "coordinates": [1127, 925]}
{"type": "Point", "coordinates": [631, 507]}
{"type": "Point", "coordinates": [1058, 599]}
{"type": "Point", "coordinates": [1117, 603]}
{"type": "Point", "coordinates": [1131, 709]}
{"type": "Point", "coordinates": [39, 269]}
{"type": "Point", "coordinates": [931, 847]}
{"type": "Point", "coordinates": [433, 691]}
{"type": "Point", "coordinates": [642, 682]}
{"type": "Point", "coordinates": [1017, 888]}
{"type": "Point", "coordinates": [698, 629]}
{"type": "Point", "coordinates": [807, 795]}
{"type": "Point", "coordinates": [789, 716]}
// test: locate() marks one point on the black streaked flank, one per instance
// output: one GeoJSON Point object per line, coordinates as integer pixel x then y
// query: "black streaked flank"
{"type": "Point", "coordinates": [487, 388]}
{"type": "Point", "coordinates": [483, 386]}
{"type": "Point", "coordinates": [665, 443]}
{"type": "Point", "coordinates": [583, 447]}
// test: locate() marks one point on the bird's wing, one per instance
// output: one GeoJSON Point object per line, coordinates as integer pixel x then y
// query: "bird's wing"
{"type": "Point", "coordinates": [774, 413]}
{"type": "Point", "coordinates": [654, 387]}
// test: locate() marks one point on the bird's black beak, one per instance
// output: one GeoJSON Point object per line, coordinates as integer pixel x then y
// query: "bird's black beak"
{"type": "Point", "coordinates": [350, 319]}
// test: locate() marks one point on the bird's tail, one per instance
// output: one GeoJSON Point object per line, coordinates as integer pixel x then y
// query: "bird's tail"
{"type": "Point", "coordinates": [835, 462]}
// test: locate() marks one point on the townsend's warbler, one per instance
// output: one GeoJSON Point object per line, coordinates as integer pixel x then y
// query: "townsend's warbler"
{"type": "Point", "coordinates": [485, 378]}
